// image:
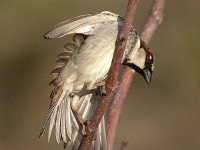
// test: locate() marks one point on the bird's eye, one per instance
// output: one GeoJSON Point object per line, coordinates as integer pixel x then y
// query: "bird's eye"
{"type": "Point", "coordinates": [149, 63]}
{"type": "Point", "coordinates": [149, 60]}
{"type": "Point", "coordinates": [150, 57]}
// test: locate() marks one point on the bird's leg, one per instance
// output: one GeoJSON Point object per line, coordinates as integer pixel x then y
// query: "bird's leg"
{"type": "Point", "coordinates": [102, 87]}
{"type": "Point", "coordinates": [83, 123]}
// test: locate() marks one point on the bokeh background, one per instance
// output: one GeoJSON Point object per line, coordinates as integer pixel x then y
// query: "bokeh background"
{"type": "Point", "coordinates": [164, 115]}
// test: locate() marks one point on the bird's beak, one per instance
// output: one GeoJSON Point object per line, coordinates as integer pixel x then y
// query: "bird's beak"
{"type": "Point", "coordinates": [147, 74]}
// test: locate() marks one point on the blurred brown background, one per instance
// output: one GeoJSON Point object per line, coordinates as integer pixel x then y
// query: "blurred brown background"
{"type": "Point", "coordinates": [162, 116]}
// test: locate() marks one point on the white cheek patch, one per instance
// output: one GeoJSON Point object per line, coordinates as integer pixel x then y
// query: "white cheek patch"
{"type": "Point", "coordinates": [138, 58]}
{"type": "Point", "coordinates": [135, 55]}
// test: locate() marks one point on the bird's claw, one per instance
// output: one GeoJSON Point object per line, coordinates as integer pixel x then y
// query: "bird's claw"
{"type": "Point", "coordinates": [102, 87]}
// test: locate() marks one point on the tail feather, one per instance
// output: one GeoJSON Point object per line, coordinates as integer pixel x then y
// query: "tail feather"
{"type": "Point", "coordinates": [49, 114]}
{"type": "Point", "coordinates": [71, 121]}
{"type": "Point", "coordinates": [85, 107]}
{"type": "Point", "coordinates": [63, 122]}
{"type": "Point", "coordinates": [68, 128]}
{"type": "Point", "coordinates": [100, 142]}
{"type": "Point", "coordinates": [52, 120]}
{"type": "Point", "coordinates": [103, 135]}
{"type": "Point", "coordinates": [56, 112]}
{"type": "Point", "coordinates": [58, 125]}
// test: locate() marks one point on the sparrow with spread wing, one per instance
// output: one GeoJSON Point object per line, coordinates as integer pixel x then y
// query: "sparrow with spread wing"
{"type": "Point", "coordinates": [81, 68]}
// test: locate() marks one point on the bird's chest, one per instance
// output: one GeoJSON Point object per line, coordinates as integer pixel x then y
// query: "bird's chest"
{"type": "Point", "coordinates": [94, 57]}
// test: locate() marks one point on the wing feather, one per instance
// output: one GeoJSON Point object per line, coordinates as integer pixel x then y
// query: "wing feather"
{"type": "Point", "coordinates": [63, 121]}
{"type": "Point", "coordinates": [84, 24]}
{"type": "Point", "coordinates": [58, 123]}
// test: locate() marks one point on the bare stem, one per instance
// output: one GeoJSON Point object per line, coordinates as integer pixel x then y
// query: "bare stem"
{"type": "Point", "coordinates": [112, 81]}
{"type": "Point", "coordinates": [153, 20]}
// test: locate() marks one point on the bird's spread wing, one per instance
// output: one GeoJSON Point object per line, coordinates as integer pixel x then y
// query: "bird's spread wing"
{"type": "Point", "coordinates": [57, 83]}
{"type": "Point", "coordinates": [84, 24]}
{"type": "Point", "coordinates": [69, 51]}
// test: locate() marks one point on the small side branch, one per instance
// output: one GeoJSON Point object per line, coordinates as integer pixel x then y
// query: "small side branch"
{"type": "Point", "coordinates": [153, 20]}
{"type": "Point", "coordinates": [112, 81]}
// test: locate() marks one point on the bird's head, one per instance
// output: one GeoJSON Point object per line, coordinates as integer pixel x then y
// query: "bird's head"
{"type": "Point", "coordinates": [140, 58]}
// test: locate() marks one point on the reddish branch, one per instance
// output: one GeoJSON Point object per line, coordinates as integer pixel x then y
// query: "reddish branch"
{"type": "Point", "coordinates": [112, 80]}
{"type": "Point", "coordinates": [153, 20]}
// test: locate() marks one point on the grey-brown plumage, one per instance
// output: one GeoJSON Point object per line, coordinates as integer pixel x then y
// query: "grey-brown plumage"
{"type": "Point", "coordinates": [85, 62]}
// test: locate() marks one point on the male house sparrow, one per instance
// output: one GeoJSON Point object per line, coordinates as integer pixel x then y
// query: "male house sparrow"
{"type": "Point", "coordinates": [84, 64]}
